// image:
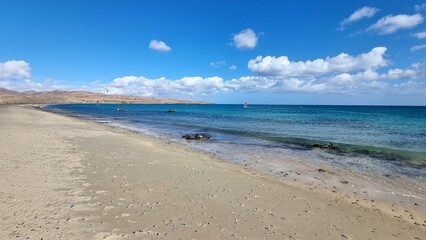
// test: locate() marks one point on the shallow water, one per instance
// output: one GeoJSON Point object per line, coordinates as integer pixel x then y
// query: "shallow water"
{"type": "Point", "coordinates": [389, 141]}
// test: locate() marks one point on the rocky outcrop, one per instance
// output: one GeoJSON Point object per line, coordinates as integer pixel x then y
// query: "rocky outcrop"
{"type": "Point", "coordinates": [324, 145]}
{"type": "Point", "coordinates": [197, 136]}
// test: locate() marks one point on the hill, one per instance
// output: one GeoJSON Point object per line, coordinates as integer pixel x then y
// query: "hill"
{"type": "Point", "coordinates": [60, 96]}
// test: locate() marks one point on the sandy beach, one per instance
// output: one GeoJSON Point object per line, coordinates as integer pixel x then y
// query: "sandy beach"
{"type": "Point", "coordinates": [65, 178]}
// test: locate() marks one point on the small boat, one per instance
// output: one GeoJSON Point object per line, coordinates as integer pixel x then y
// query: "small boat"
{"type": "Point", "coordinates": [121, 109]}
{"type": "Point", "coordinates": [245, 105]}
{"type": "Point", "coordinates": [171, 110]}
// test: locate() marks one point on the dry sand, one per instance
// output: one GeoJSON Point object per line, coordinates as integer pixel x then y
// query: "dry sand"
{"type": "Point", "coordinates": [64, 178]}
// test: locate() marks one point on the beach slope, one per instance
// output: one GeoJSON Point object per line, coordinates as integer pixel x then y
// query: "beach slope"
{"type": "Point", "coordinates": [65, 178]}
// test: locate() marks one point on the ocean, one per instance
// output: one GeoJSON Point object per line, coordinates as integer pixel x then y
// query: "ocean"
{"type": "Point", "coordinates": [385, 140]}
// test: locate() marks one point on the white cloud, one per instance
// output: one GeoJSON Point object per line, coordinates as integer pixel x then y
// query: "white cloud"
{"type": "Point", "coordinates": [343, 74]}
{"type": "Point", "coordinates": [159, 46]}
{"type": "Point", "coordinates": [420, 7]}
{"type": "Point", "coordinates": [282, 66]}
{"type": "Point", "coordinates": [16, 76]}
{"type": "Point", "coordinates": [193, 86]}
{"type": "Point", "coordinates": [273, 84]}
{"type": "Point", "coordinates": [186, 86]}
{"type": "Point", "coordinates": [28, 84]}
{"type": "Point", "coordinates": [420, 35]}
{"type": "Point", "coordinates": [364, 73]}
{"type": "Point", "coordinates": [14, 70]}
{"type": "Point", "coordinates": [398, 74]}
{"type": "Point", "coordinates": [370, 75]}
{"type": "Point", "coordinates": [417, 47]}
{"type": "Point", "coordinates": [361, 82]}
{"type": "Point", "coordinates": [246, 39]}
{"type": "Point", "coordinates": [391, 24]}
{"type": "Point", "coordinates": [232, 67]}
{"type": "Point", "coordinates": [364, 12]}
{"type": "Point", "coordinates": [217, 64]}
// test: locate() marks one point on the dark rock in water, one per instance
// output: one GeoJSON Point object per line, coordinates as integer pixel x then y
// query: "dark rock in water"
{"type": "Point", "coordinates": [201, 136]}
{"type": "Point", "coordinates": [197, 136]}
{"type": "Point", "coordinates": [171, 110]}
{"type": "Point", "coordinates": [188, 137]}
{"type": "Point", "coordinates": [330, 145]}
{"type": "Point", "coordinates": [324, 145]}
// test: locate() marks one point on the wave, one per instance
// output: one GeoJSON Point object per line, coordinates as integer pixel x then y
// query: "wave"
{"type": "Point", "coordinates": [286, 126]}
{"type": "Point", "coordinates": [398, 157]}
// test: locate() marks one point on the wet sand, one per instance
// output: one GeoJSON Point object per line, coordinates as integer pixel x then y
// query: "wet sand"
{"type": "Point", "coordinates": [65, 178]}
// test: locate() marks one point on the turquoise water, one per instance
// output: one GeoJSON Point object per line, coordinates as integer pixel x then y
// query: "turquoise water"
{"type": "Point", "coordinates": [392, 137]}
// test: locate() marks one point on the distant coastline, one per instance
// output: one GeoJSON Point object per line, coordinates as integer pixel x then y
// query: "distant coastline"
{"type": "Point", "coordinates": [60, 96]}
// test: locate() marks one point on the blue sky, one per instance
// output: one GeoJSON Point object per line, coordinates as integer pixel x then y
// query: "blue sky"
{"type": "Point", "coordinates": [285, 52]}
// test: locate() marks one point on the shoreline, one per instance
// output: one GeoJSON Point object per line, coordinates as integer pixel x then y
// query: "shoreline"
{"type": "Point", "coordinates": [369, 155]}
{"type": "Point", "coordinates": [126, 184]}
{"type": "Point", "coordinates": [355, 187]}
{"type": "Point", "coordinates": [395, 194]}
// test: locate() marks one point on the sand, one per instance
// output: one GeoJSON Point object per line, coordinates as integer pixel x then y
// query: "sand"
{"type": "Point", "coordinates": [65, 178]}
